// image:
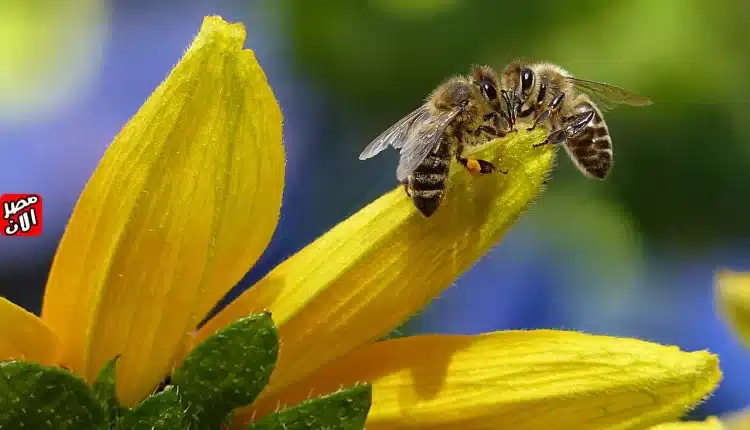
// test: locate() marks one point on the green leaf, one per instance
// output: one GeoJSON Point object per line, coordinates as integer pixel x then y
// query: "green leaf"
{"type": "Point", "coordinates": [162, 411]}
{"type": "Point", "coordinates": [38, 397]}
{"type": "Point", "coordinates": [227, 370]}
{"type": "Point", "coordinates": [343, 410]}
{"type": "Point", "coordinates": [104, 389]}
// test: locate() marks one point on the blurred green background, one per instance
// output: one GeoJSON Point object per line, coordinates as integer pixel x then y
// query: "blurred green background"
{"type": "Point", "coordinates": [379, 57]}
{"type": "Point", "coordinates": [634, 255]}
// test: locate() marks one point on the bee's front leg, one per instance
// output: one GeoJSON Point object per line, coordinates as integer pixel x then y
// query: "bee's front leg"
{"type": "Point", "coordinates": [492, 131]}
{"type": "Point", "coordinates": [502, 129]}
{"type": "Point", "coordinates": [497, 129]}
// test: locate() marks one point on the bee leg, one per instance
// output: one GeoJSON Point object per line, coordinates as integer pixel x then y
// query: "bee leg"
{"type": "Point", "coordinates": [487, 129]}
{"type": "Point", "coordinates": [476, 166]}
{"type": "Point", "coordinates": [502, 130]}
{"type": "Point", "coordinates": [406, 188]}
{"type": "Point", "coordinates": [573, 125]}
{"type": "Point", "coordinates": [540, 118]}
{"type": "Point", "coordinates": [500, 124]}
{"type": "Point", "coordinates": [557, 136]}
{"type": "Point", "coordinates": [497, 129]}
{"type": "Point", "coordinates": [554, 105]}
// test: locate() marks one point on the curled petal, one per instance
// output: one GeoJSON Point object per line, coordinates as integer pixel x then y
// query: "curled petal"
{"type": "Point", "coordinates": [377, 268]}
{"type": "Point", "coordinates": [182, 204]}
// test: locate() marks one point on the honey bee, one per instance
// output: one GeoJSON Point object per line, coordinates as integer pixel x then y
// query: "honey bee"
{"type": "Point", "coordinates": [572, 107]}
{"type": "Point", "coordinates": [463, 111]}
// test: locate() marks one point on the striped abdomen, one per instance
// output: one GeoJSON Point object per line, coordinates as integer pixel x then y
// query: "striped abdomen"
{"type": "Point", "coordinates": [426, 186]}
{"type": "Point", "coordinates": [591, 148]}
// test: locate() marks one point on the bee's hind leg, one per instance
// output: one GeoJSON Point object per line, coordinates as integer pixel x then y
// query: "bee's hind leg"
{"type": "Point", "coordinates": [571, 127]}
{"type": "Point", "coordinates": [406, 187]}
{"type": "Point", "coordinates": [476, 166]}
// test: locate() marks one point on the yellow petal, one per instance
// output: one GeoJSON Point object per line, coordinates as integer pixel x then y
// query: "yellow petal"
{"type": "Point", "coordinates": [183, 203]}
{"type": "Point", "coordinates": [384, 263]}
{"type": "Point", "coordinates": [23, 336]}
{"type": "Point", "coordinates": [711, 423]}
{"type": "Point", "coordinates": [516, 380]}
{"type": "Point", "coordinates": [738, 420]}
{"type": "Point", "coordinates": [733, 301]}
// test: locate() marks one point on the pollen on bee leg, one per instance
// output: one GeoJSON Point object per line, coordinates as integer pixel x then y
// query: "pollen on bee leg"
{"type": "Point", "coordinates": [473, 166]}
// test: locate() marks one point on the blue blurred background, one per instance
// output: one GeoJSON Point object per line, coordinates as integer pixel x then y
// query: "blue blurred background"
{"type": "Point", "coordinates": [632, 256]}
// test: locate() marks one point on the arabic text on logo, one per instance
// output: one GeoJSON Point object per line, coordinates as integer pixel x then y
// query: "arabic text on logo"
{"type": "Point", "coordinates": [22, 215]}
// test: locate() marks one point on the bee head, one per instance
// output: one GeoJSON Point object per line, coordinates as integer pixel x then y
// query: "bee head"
{"type": "Point", "coordinates": [484, 78]}
{"type": "Point", "coordinates": [518, 78]}
{"type": "Point", "coordinates": [462, 93]}
{"type": "Point", "coordinates": [525, 83]}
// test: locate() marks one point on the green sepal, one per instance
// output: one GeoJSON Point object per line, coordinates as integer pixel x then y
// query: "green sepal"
{"type": "Point", "coordinates": [346, 409]}
{"type": "Point", "coordinates": [105, 390]}
{"type": "Point", "coordinates": [227, 370]}
{"type": "Point", "coordinates": [38, 397]}
{"type": "Point", "coordinates": [162, 411]}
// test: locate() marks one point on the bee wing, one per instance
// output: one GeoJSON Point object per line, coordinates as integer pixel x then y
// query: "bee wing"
{"type": "Point", "coordinates": [422, 140]}
{"type": "Point", "coordinates": [396, 134]}
{"type": "Point", "coordinates": [608, 96]}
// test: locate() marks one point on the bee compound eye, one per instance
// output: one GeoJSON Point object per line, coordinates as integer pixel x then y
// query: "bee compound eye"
{"type": "Point", "coordinates": [489, 90]}
{"type": "Point", "coordinates": [527, 79]}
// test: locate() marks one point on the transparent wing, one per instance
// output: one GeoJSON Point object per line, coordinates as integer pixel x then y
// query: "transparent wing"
{"type": "Point", "coordinates": [608, 96]}
{"type": "Point", "coordinates": [396, 134]}
{"type": "Point", "coordinates": [422, 140]}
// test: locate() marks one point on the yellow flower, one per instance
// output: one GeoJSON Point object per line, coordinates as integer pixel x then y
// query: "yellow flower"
{"type": "Point", "coordinates": [183, 202]}
{"type": "Point", "coordinates": [186, 199]}
{"type": "Point", "coordinates": [736, 421]}
{"type": "Point", "coordinates": [733, 303]}
{"type": "Point", "coordinates": [732, 292]}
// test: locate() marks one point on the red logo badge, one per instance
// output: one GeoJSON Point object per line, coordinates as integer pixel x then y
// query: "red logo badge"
{"type": "Point", "coordinates": [22, 214]}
